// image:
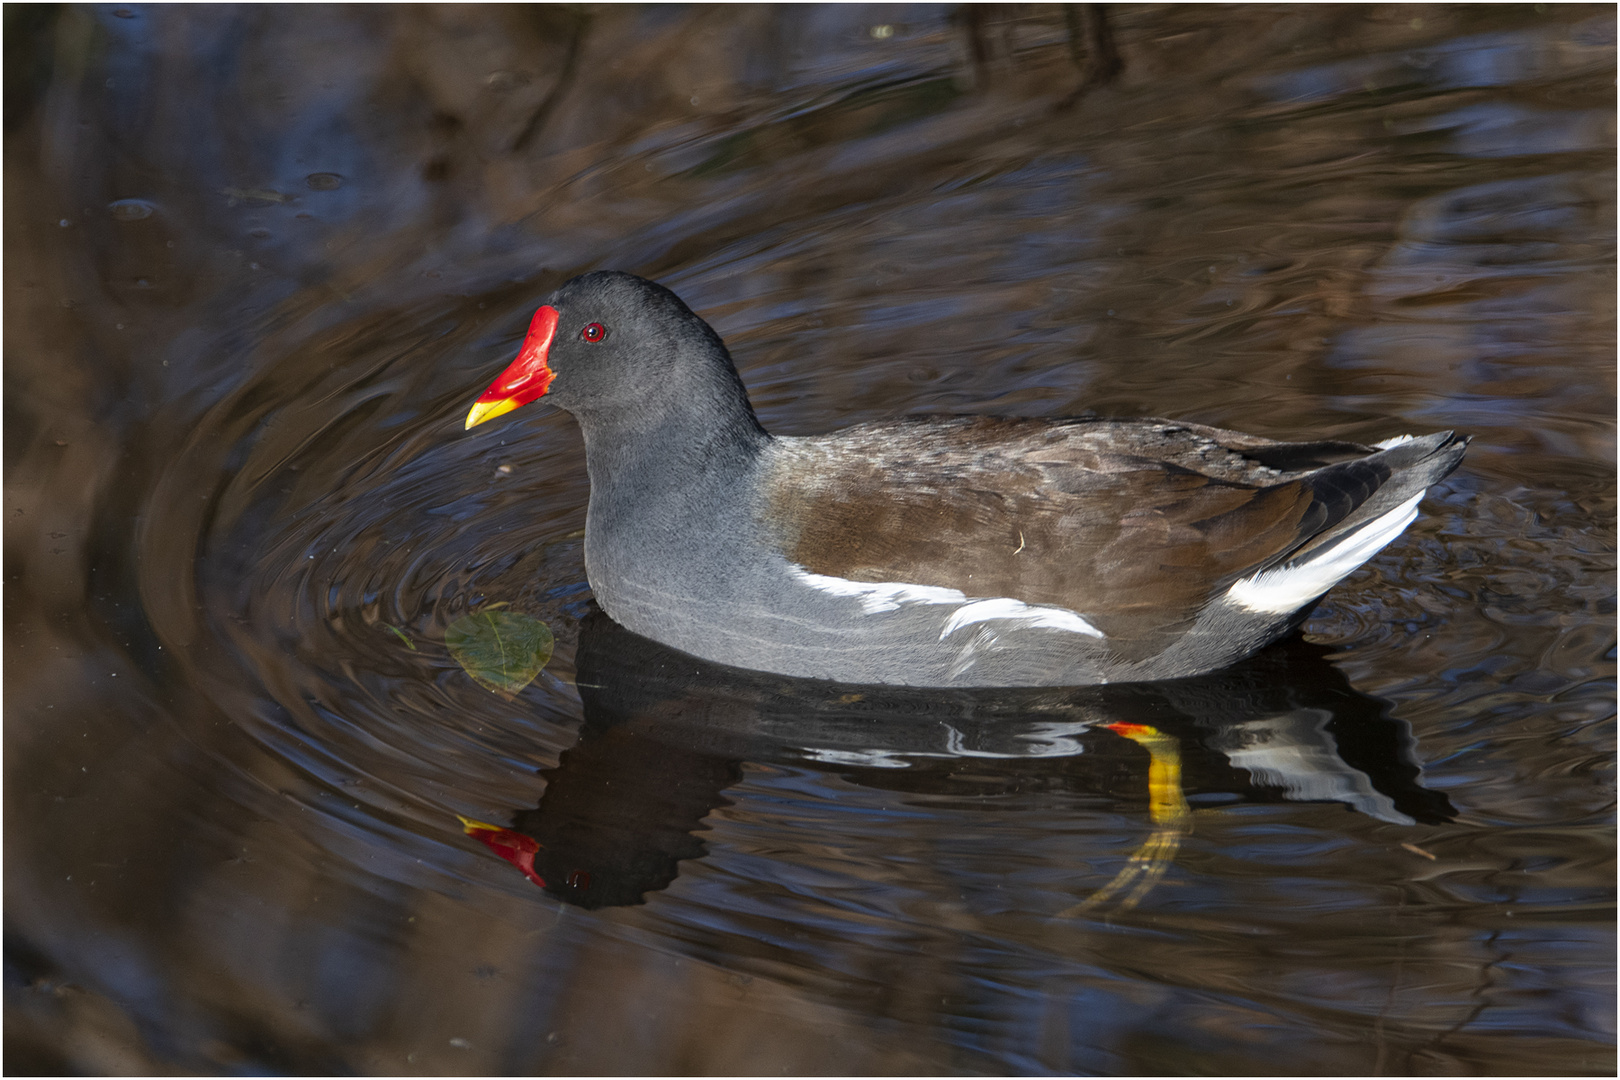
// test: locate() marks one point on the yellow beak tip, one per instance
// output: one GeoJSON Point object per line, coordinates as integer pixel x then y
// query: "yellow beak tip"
{"type": "Point", "coordinates": [488, 410]}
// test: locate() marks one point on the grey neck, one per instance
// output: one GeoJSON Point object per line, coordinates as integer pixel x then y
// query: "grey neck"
{"type": "Point", "coordinates": [670, 447]}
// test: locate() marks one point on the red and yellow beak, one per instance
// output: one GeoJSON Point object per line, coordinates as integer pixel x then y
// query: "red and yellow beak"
{"type": "Point", "coordinates": [527, 378]}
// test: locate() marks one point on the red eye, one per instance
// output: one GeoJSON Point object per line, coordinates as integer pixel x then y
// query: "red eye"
{"type": "Point", "coordinates": [594, 332]}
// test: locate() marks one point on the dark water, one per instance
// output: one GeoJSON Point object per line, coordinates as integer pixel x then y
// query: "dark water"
{"type": "Point", "coordinates": [259, 262]}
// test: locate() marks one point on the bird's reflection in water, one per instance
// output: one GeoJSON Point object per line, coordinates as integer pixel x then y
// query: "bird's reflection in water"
{"type": "Point", "coordinates": [665, 734]}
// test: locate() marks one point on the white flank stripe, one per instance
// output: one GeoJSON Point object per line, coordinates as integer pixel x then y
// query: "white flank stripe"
{"type": "Point", "coordinates": [880, 596]}
{"type": "Point", "coordinates": [1289, 588]}
{"type": "Point", "coordinates": [1398, 440]}
{"type": "Point", "coordinates": [1027, 615]}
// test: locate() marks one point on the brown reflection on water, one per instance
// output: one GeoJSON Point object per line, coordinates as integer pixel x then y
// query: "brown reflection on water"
{"type": "Point", "coordinates": [257, 260]}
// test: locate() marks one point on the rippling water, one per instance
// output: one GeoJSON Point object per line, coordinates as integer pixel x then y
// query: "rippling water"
{"type": "Point", "coordinates": [260, 261]}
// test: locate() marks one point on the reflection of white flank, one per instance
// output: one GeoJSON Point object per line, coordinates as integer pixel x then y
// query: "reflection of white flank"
{"type": "Point", "coordinates": [1390, 444]}
{"type": "Point", "coordinates": [880, 596]}
{"type": "Point", "coordinates": [872, 759]}
{"type": "Point", "coordinates": [1288, 588]}
{"type": "Point", "coordinates": [1042, 740]}
{"type": "Point", "coordinates": [1050, 739]}
{"type": "Point", "coordinates": [1027, 616]}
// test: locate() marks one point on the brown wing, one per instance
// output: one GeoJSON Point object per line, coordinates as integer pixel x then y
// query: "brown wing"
{"type": "Point", "coordinates": [1134, 524]}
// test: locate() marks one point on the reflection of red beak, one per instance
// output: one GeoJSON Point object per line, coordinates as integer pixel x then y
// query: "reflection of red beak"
{"type": "Point", "coordinates": [515, 848]}
{"type": "Point", "coordinates": [528, 376]}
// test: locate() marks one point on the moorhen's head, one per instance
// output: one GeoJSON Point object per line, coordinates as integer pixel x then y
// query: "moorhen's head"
{"type": "Point", "coordinates": [612, 341]}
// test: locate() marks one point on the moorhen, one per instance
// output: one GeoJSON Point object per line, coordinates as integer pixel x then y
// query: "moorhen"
{"type": "Point", "coordinates": [951, 551]}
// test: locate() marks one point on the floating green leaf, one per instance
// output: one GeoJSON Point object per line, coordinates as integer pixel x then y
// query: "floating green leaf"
{"type": "Point", "coordinates": [402, 636]}
{"type": "Point", "coordinates": [502, 650]}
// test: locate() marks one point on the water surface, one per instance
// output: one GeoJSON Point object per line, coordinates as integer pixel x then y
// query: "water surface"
{"type": "Point", "coordinates": [261, 260]}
